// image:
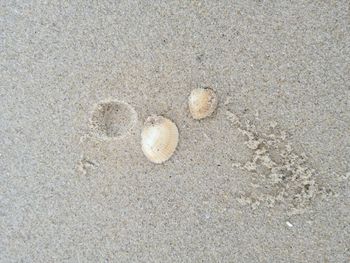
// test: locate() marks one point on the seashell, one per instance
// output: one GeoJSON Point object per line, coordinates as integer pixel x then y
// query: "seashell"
{"type": "Point", "coordinates": [160, 137]}
{"type": "Point", "coordinates": [202, 102]}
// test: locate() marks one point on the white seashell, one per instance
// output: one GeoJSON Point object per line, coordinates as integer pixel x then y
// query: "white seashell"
{"type": "Point", "coordinates": [202, 103]}
{"type": "Point", "coordinates": [160, 137]}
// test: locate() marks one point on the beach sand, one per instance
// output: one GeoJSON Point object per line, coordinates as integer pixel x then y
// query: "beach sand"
{"type": "Point", "coordinates": [264, 179]}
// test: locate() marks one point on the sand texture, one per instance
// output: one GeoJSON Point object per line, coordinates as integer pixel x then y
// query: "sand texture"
{"type": "Point", "coordinates": [265, 178]}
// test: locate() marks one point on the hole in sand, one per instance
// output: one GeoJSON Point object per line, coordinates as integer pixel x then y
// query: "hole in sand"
{"type": "Point", "coordinates": [113, 119]}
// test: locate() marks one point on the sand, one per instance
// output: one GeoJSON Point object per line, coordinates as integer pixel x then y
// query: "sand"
{"type": "Point", "coordinates": [264, 179]}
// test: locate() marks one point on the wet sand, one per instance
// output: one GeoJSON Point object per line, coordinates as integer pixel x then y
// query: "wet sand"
{"type": "Point", "coordinates": [264, 179]}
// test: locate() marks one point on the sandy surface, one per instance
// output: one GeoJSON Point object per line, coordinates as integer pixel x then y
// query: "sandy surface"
{"type": "Point", "coordinates": [265, 179]}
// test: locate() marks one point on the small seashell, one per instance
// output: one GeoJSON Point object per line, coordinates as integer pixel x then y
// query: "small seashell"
{"type": "Point", "coordinates": [160, 137]}
{"type": "Point", "coordinates": [202, 103]}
